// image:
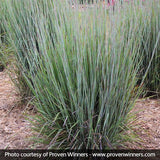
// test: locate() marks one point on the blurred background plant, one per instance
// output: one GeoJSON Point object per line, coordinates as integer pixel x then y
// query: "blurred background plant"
{"type": "Point", "coordinates": [10, 59]}
{"type": "Point", "coordinates": [1, 41]}
{"type": "Point", "coordinates": [151, 51]}
{"type": "Point", "coordinates": [148, 13]}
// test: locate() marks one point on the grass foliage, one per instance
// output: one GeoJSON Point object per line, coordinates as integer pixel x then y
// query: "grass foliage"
{"type": "Point", "coordinates": [151, 50]}
{"type": "Point", "coordinates": [82, 66]}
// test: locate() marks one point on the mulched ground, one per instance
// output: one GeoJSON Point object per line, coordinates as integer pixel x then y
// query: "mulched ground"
{"type": "Point", "coordinates": [15, 130]}
{"type": "Point", "coordinates": [147, 124]}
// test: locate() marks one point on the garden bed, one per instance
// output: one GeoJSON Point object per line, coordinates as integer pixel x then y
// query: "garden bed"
{"type": "Point", "coordinates": [14, 129]}
{"type": "Point", "coordinates": [83, 72]}
{"type": "Point", "coordinates": [15, 132]}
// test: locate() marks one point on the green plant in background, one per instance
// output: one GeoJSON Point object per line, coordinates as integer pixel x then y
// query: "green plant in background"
{"type": "Point", "coordinates": [1, 62]}
{"type": "Point", "coordinates": [86, 1]}
{"type": "Point", "coordinates": [6, 56]}
{"type": "Point", "coordinates": [149, 22]}
{"type": "Point", "coordinates": [1, 39]}
{"type": "Point", "coordinates": [19, 58]}
{"type": "Point", "coordinates": [151, 50]}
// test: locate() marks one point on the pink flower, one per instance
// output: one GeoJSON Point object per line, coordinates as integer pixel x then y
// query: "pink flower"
{"type": "Point", "coordinates": [111, 2]}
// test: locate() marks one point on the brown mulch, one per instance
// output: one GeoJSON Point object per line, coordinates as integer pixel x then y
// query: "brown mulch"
{"type": "Point", "coordinates": [15, 130]}
{"type": "Point", "coordinates": [147, 125]}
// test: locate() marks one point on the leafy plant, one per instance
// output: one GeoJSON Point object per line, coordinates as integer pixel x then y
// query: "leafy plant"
{"type": "Point", "coordinates": [81, 67]}
{"type": "Point", "coordinates": [151, 50]}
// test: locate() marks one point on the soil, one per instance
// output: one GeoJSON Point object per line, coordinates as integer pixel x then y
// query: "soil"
{"type": "Point", "coordinates": [15, 130]}
{"type": "Point", "coordinates": [147, 125]}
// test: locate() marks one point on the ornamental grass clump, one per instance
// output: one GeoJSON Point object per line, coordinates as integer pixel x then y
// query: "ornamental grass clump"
{"type": "Point", "coordinates": [80, 67]}
{"type": "Point", "coordinates": [20, 27]}
{"type": "Point", "coordinates": [151, 50]}
{"type": "Point", "coordinates": [148, 15]}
